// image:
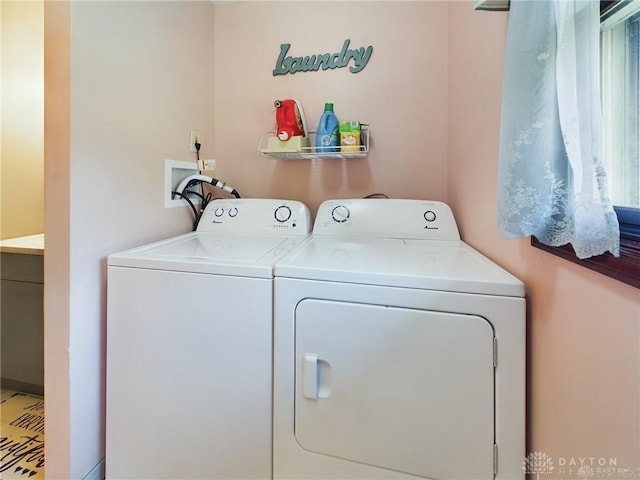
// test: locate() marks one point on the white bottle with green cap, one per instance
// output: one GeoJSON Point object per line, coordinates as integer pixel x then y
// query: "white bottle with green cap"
{"type": "Point", "coordinates": [327, 132]}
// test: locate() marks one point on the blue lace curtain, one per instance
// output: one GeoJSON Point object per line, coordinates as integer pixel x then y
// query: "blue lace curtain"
{"type": "Point", "coordinates": [551, 179]}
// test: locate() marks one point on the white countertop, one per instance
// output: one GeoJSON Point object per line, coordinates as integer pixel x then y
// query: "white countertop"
{"type": "Point", "coordinates": [29, 245]}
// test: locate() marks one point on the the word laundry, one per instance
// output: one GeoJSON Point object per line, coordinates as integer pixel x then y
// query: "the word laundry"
{"type": "Point", "coordinates": [358, 58]}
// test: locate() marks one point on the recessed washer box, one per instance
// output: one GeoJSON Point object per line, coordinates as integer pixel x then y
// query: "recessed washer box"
{"type": "Point", "coordinates": [174, 172]}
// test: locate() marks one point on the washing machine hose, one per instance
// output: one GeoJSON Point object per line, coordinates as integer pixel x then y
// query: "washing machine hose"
{"type": "Point", "coordinates": [196, 179]}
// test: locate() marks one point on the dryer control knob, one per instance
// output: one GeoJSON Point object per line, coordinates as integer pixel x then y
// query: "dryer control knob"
{"type": "Point", "coordinates": [430, 216]}
{"type": "Point", "coordinates": [340, 214]}
{"type": "Point", "coordinates": [282, 213]}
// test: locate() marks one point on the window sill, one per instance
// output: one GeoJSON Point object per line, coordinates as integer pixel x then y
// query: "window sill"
{"type": "Point", "coordinates": [625, 268]}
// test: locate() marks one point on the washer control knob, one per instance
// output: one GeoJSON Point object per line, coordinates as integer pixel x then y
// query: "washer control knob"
{"type": "Point", "coordinates": [430, 216]}
{"type": "Point", "coordinates": [218, 212]}
{"type": "Point", "coordinates": [282, 213]}
{"type": "Point", "coordinates": [340, 214]}
{"type": "Point", "coordinates": [233, 211]}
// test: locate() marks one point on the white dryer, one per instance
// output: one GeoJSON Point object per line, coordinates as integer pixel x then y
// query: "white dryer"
{"type": "Point", "coordinates": [399, 351]}
{"type": "Point", "coordinates": [189, 346]}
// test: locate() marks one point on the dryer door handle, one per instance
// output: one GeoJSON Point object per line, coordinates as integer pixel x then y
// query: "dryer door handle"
{"type": "Point", "coordinates": [310, 376]}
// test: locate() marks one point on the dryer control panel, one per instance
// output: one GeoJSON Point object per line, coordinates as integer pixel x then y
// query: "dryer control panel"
{"type": "Point", "coordinates": [387, 218]}
{"type": "Point", "coordinates": [256, 216]}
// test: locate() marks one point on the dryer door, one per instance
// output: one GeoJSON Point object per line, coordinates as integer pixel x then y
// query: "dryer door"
{"type": "Point", "coordinates": [396, 388]}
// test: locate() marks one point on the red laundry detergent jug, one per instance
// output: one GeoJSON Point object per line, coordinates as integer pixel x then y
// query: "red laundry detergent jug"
{"type": "Point", "coordinates": [289, 119]}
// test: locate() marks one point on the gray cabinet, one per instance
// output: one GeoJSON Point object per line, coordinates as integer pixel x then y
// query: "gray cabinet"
{"type": "Point", "coordinates": [22, 321]}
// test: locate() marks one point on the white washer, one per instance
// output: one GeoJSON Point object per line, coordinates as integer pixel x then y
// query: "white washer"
{"type": "Point", "coordinates": [399, 351]}
{"type": "Point", "coordinates": [189, 346]}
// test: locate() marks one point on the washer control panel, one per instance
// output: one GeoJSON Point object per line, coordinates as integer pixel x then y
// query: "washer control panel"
{"type": "Point", "coordinates": [387, 218]}
{"type": "Point", "coordinates": [256, 216]}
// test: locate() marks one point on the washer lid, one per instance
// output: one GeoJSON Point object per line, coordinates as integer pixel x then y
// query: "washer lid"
{"type": "Point", "coordinates": [206, 252]}
{"type": "Point", "coordinates": [426, 264]}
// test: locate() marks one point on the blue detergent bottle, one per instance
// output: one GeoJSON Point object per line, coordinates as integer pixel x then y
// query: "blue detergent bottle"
{"type": "Point", "coordinates": [327, 132]}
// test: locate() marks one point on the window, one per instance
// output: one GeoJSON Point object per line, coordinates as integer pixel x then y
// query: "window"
{"type": "Point", "coordinates": [620, 70]}
{"type": "Point", "coordinates": [620, 83]}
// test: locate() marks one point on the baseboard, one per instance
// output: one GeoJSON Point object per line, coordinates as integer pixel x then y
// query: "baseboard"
{"type": "Point", "coordinates": [97, 473]}
{"type": "Point", "coordinates": [20, 386]}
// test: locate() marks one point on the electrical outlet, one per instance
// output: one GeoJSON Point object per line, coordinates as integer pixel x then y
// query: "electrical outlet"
{"type": "Point", "coordinates": [195, 138]}
{"type": "Point", "coordinates": [174, 172]}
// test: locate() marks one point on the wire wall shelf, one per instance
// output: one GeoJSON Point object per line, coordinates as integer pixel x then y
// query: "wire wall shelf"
{"type": "Point", "coordinates": [309, 153]}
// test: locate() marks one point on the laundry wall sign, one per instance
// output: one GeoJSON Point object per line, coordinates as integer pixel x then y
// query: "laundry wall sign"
{"type": "Point", "coordinates": [356, 59]}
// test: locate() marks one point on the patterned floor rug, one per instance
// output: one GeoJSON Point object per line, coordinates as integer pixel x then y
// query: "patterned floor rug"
{"type": "Point", "coordinates": [21, 436]}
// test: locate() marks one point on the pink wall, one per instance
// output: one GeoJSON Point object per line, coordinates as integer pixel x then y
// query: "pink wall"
{"type": "Point", "coordinates": [402, 94]}
{"type": "Point", "coordinates": [57, 88]}
{"type": "Point", "coordinates": [584, 328]}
